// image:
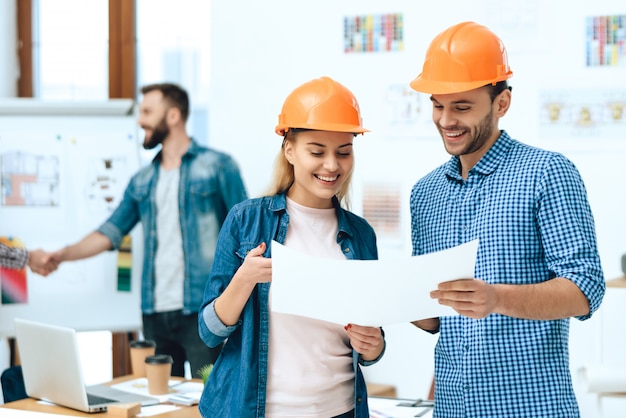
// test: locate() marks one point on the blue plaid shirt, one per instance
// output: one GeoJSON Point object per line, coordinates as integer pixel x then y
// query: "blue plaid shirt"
{"type": "Point", "coordinates": [528, 208]}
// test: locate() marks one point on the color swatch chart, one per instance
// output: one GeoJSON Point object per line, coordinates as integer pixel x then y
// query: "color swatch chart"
{"type": "Point", "coordinates": [606, 41]}
{"type": "Point", "coordinates": [373, 33]}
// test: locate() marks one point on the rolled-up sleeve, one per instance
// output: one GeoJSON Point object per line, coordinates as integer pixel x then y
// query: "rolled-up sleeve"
{"type": "Point", "coordinates": [568, 231]}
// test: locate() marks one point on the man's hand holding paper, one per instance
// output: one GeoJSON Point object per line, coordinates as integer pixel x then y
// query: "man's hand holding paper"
{"type": "Point", "coordinates": [469, 297]}
{"type": "Point", "coordinates": [367, 292]}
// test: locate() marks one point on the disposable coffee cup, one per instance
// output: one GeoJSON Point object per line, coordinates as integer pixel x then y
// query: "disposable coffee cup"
{"type": "Point", "coordinates": [158, 372]}
{"type": "Point", "coordinates": [139, 350]}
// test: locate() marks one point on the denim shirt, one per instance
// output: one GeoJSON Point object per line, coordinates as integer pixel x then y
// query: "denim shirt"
{"type": "Point", "coordinates": [237, 384]}
{"type": "Point", "coordinates": [210, 184]}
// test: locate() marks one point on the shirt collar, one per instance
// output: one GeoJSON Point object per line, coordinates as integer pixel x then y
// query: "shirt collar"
{"type": "Point", "coordinates": [193, 150]}
{"type": "Point", "coordinates": [487, 164]}
{"type": "Point", "coordinates": [278, 203]}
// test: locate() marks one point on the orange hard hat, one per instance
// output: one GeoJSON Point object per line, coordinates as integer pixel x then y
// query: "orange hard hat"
{"type": "Point", "coordinates": [461, 58]}
{"type": "Point", "coordinates": [321, 104]}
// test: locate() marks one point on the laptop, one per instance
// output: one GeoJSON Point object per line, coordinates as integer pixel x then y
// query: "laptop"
{"type": "Point", "coordinates": [52, 370]}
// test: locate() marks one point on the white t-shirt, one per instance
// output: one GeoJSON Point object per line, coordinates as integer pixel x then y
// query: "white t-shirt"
{"type": "Point", "coordinates": [310, 370]}
{"type": "Point", "coordinates": [169, 264]}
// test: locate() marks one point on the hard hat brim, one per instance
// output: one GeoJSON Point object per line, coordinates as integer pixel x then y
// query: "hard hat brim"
{"type": "Point", "coordinates": [281, 129]}
{"type": "Point", "coordinates": [442, 87]}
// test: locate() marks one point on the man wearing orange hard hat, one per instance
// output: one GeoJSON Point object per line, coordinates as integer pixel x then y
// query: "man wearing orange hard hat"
{"type": "Point", "coordinates": [506, 353]}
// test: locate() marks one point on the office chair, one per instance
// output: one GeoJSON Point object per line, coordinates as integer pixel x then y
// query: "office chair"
{"type": "Point", "coordinates": [12, 381]}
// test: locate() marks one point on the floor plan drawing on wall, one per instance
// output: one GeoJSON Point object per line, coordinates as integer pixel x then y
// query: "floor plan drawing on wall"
{"type": "Point", "coordinates": [29, 179]}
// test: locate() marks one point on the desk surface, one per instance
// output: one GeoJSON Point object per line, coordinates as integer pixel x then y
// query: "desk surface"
{"type": "Point", "coordinates": [31, 404]}
{"type": "Point", "coordinates": [619, 282]}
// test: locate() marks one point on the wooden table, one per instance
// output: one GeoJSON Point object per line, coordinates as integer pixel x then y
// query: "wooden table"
{"type": "Point", "coordinates": [380, 390]}
{"type": "Point", "coordinates": [619, 282]}
{"type": "Point", "coordinates": [31, 404]}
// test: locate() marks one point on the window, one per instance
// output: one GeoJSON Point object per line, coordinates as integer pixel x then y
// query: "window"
{"type": "Point", "coordinates": [173, 45]}
{"type": "Point", "coordinates": [71, 49]}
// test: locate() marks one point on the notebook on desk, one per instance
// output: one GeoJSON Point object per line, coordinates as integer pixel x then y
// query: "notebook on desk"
{"type": "Point", "coordinates": [52, 370]}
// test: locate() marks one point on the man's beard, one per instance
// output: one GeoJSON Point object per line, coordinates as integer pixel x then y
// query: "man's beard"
{"type": "Point", "coordinates": [480, 135]}
{"type": "Point", "coordinates": [160, 132]}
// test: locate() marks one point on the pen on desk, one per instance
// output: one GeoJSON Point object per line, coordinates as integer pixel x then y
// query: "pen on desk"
{"type": "Point", "coordinates": [417, 402]}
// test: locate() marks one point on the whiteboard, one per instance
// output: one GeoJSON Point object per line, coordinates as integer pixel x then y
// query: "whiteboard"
{"type": "Point", "coordinates": [64, 167]}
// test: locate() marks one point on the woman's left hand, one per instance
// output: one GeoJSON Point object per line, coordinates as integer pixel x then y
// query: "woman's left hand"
{"type": "Point", "coordinates": [367, 341]}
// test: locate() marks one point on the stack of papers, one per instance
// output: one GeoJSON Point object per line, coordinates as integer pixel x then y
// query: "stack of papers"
{"type": "Point", "coordinates": [183, 392]}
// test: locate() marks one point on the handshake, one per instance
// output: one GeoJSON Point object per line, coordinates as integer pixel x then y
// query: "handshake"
{"type": "Point", "coordinates": [42, 262]}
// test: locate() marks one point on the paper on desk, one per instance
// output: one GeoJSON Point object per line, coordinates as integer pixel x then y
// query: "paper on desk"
{"type": "Point", "coordinates": [390, 408]}
{"type": "Point", "coordinates": [365, 292]}
{"type": "Point", "coordinates": [140, 386]}
{"type": "Point", "coordinates": [151, 410]}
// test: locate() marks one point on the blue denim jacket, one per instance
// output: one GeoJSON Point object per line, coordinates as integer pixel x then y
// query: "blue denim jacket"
{"type": "Point", "coordinates": [237, 384]}
{"type": "Point", "coordinates": [210, 184]}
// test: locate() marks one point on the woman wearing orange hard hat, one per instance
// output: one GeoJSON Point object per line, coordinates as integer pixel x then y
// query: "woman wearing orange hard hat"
{"type": "Point", "coordinates": [275, 364]}
{"type": "Point", "coordinates": [506, 353]}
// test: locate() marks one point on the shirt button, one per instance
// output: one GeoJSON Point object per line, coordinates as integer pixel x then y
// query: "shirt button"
{"type": "Point", "coordinates": [347, 250]}
{"type": "Point", "coordinates": [466, 347]}
{"type": "Point", "coordinates": [466, 388]}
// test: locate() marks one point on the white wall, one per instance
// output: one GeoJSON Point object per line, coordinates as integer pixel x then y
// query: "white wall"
{"type": "Point", "coordinates": [260, 51]}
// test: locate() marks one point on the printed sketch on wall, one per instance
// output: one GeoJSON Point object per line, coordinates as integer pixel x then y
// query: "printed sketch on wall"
{"type": "Point", "coordinates": [107, 178]}
{"type": "Point", "coordinates": [566, 113]}
{"type": "Point", "coordinates": [517, 24]}
{"type": "Point", "coordinates": [29, 179]}
{"type": "Point", "coordinates": [407, 112]}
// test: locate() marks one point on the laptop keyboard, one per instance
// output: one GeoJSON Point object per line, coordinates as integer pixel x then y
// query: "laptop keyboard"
{"type": "Point", "coordinates": [97, 400]}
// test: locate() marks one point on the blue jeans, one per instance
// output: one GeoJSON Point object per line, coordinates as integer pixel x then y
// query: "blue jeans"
{"type": "Point", "coordinates": [177, 335]}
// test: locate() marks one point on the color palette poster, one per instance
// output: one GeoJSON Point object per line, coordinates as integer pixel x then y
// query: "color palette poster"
{"type": "Point", "coordinates": [13, 283]}
{"type": "Point", "coordinates": [606, 41]}
{"type": "Point", "coordinates": [373, 33]}
{"type": "Point", "coordinates": [382, 206]}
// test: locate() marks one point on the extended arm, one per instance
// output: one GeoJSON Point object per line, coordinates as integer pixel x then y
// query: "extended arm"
{"type": "Point", "coordinates": [91, 245]}
{"type": "Point", "coordinates": [553, 299]}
